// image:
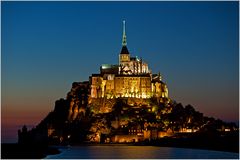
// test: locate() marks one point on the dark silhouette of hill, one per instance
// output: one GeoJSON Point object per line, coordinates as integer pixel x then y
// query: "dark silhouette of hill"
{"type": "Point", "coordinates": [78, 119]}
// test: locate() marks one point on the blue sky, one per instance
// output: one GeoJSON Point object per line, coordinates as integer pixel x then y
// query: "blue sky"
{"type": "Point", "coordinates": [48, 45]}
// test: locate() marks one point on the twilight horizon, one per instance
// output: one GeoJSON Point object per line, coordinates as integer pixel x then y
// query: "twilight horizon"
{"type": "Point", "coordinates": [46, 46]}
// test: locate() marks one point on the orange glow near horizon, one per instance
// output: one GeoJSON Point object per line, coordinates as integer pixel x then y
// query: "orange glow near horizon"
{"type": "Point", "coordinates": [13, 120]}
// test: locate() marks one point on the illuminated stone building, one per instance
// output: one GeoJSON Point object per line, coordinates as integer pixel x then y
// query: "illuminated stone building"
{"type": "Point", "coordinates": [130, 78]}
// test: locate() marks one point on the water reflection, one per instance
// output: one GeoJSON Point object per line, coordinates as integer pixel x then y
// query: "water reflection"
{"type": "Point", "coordinates": [139, 152]}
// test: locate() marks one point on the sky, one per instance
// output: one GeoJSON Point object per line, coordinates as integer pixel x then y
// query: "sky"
{"type": "Point", "coordinates": [46, 46]}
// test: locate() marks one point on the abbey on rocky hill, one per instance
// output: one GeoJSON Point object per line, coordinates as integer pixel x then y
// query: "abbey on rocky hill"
{"type": "Point", "coordinates": [130, 79]}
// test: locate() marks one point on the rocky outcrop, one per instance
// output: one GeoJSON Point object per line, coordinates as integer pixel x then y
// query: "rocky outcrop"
{"type": "Point", "coordinates": [78, 98]}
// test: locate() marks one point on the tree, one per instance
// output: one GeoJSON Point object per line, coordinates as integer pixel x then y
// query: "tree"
{"type": "Point", "coordinates": [177, 117]}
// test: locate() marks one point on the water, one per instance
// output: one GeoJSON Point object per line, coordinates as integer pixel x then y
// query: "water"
{"type": "Point", "coordinates": [139, 152]}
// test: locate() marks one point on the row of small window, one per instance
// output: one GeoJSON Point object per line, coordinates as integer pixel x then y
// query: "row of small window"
{"type": "Point", "coordinates": [135, 130]}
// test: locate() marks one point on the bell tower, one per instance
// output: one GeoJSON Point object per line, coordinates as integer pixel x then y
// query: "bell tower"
{"type": "Point", "coordinates": [124, 55]}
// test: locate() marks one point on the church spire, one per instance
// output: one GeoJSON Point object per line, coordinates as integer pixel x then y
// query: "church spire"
{"type": "Point", "coordinates": [124, 39]}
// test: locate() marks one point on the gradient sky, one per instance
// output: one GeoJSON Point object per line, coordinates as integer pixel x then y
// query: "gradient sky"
{"type": "Point", "coordinates": [48, 45]}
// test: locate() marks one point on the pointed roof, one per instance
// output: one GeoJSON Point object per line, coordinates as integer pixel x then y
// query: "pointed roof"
{"type": "Point", "coordinates": [124, 50]}
{"type": "Point", "coordinates": [124, 40]}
